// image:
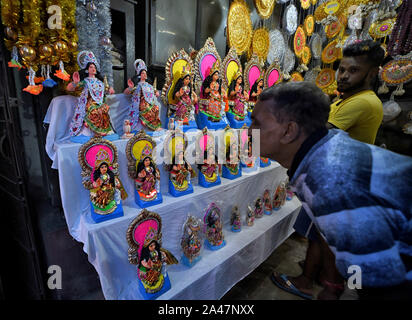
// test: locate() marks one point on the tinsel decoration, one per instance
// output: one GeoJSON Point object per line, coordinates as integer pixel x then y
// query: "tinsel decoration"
{"type": "Point", "coordinates": [10, 15]}
{"type": "Point", "coordinates": [93, 21]}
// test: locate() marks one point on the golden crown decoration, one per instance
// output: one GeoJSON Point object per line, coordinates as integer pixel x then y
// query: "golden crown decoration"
{"type": "Point", "coordinates": [102, 156]}
{"type": "Point", "coordinates": [150, 236]}
{"type": "Point", "coordinates": [214, 68]}
{"type": "Point", "coordinates": [186, 71]}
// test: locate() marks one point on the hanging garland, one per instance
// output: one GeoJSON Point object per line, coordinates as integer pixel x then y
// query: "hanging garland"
{"type": "Point", "coordinates": [10, 15]}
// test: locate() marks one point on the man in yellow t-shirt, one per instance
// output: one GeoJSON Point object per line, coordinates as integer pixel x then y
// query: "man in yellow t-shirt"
{"type": "Point", "coordinates": [360, 111]}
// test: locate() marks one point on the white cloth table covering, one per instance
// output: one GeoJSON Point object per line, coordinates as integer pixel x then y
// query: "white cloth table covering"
{"type": "Point", "coordinates": [217, 271]}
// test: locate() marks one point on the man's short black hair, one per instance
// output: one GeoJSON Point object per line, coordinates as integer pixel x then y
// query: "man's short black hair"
{"type": "Point", "coordinates": [302, 102]}
{"type": "Point", "coordinates": [369, 48]}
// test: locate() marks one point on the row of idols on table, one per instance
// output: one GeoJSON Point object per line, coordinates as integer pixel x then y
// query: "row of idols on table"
{"type": "Point", "coordinates": [144, 237]}
{"type": "Point", "coordinates": [98, 159]}
{"type": "Point", "coordinates": [204, 92]}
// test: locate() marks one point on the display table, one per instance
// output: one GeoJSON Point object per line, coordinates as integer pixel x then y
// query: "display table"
{"type": "Point", "coordinates": [218, 271]}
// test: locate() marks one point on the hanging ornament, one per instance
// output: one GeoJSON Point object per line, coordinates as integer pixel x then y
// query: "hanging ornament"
{"type": "Point", "coordinates": [299, 41]}
{"type": "Point", "coordinates": [260, 43]}
{"type": "Point", "coordinates": [309, 25]}
{"type": "Point", "coordinates": [382, 29]}
{"type": "Point", "coordinates": [61, 73]}
{"type": "Point", "coordinates": [276, 46]}
{"type": "Point", "coordinates": [291, 19]}
{"type": "Point", "coordinates": [331, 53]}
{"type": "Point", "coordinates": [296, 77]}
{"type": "Point", "coordinates": [396, 73]}
{"type": "Point", "coordinates": [32, 88]}
{"type": "Point", "coordinates": [326, 81]}
{"type": "Point", "coordinates": [306, 55]}
{"type": "Point", "coordinates": [334, 28]}
{"type": "Point", "coordinates": [264, 7]}
{"type": "Point", "coordinates": [305, 4]}
{"type": "Point", "coordinates": [316, 46]}
{"type": "Point", "coordinates": [239, 26]}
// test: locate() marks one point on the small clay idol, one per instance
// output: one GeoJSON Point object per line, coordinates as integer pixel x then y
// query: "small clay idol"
{"type": "Point", "coordinates": [144, 237]}
{"type": "Point", "coordinates": [250, 216]}
{"type": "Point", "coordinates": [280, 196]}
{"type": "Point", "coordinates": [127, 134]}
{"type": "Point", "coordinates": [192, 241]}
{"type": "Point", "coordinates": [235, 221]}
{"type": "Point", "coordinates": [267, 203]}
{"type": "Point", "coordinates": [214, 227]}
{"type": "Point", "coordinates": [258, 208]}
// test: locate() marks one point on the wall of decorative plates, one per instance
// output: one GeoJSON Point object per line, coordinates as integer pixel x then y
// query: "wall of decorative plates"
{"type": "Point", "coordinates": [306, 37]}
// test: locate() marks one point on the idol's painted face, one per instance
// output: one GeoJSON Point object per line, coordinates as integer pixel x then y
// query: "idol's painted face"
{"type": "Point", "coordinates": [92, 70]}
{"type": "Point", "coordinates": [152, 247]}
{"type": "Point", "coordinates": [103, 169]}
{"type": "Point", "coordinates": [215, 76]}
{"type": "Point", "coordinates": [260, 83]}
{"type": "Point", "coordinates": [186, 81]}
{"type": "Point", "coordinates": [146, 162]}
{"type": "Point", "coordinates": [143, 75]}
{"type": "Point", "coordinates": [239, 80]}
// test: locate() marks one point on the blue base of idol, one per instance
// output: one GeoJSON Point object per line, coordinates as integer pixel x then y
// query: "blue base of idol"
{"type": "Point", "coordinates": [189, 264]}
{"type": "Point", "coordinates": [155, 133]}
{"type": "Point", "coordinates": [202, 121]}
{"type": "Point", "coordinates": [247, 169]}
{"type": "Point", "coordinates": [176, 193]}
{"type": "Point", "coordinates": [228, 175]}
{"type": "Point", "coordinates": [214, 248]}
{"type": "Point", "coordinates": [186, 127]}
{"type": "Point", "coordinates": [83, 139]}
{"type": "Point", "coordinates": [235, 124]}
{"type": "Point", "coordinates": [235, 230]}
{"type": "Point", "coordinates": [144, 204]}
{"type": "Point", "coordinates": [206, 184]}
{"type": "Point", "coordinates": [152, 296]}
{"type": "Point", "coordinates": [267, 212]}
{"type": "Point", "coordinates": [104, 217]}
{"type": "Point", "coordinates": [263, 164]}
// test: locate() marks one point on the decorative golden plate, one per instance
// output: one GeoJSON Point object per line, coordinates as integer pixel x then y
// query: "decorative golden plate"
{"type": "Point", "coordinates": [306, 55]}
{"type": "Point", "coordinates": [325, 78]}
{"type": "Point", "coordinates": [260, 43]}
{"type": "Point", "coordinates": [396, 72]}
{"type": "Point", "coordinates": [299, 41]}
{"type": "Point", "coordinates": [382, 28]}
{"type": "Point", "coordinates": [332, 7]}
{"type": "Point", "coordinates": [264, 8]}
{"type": "Point", "coordinates": [333, 28]}
{"type": "Point", "coordinates": [305, 4]}
{"type": "Point", "coordinates": [239, 26]}
{"type": "Point", "coordinates": [309, 25]}
{"type": "Point", "coordinates": [331, 53]}
{"type": "Point", "coordinates": [296, 76]}
{"type": "Point", "coordinates": [314, 2]}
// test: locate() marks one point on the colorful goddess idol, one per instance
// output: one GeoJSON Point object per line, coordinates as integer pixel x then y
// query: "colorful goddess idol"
{"type": "Point", "coordinates": [208, 83]}
{"type": "Point", "coordinates": [235, 221]}
{"type": "Point", "coordinates": [140, 151]}
{"type": "Point", "coordinates": [250, 216]}
{"type": "Point", "coordinates": [144, 237]}
{"type": "Point", "coordinates": [280, 196]}
{"type": "Point", "coordinates": [214, 228]}
{"type": "Point", "coordinates": [267, 202]}
{"type": "Point", "coordinates": [178, 92]}
{"type": "Point", "coordinates": [91, 114]}
{"type": "Point", "coordinates": [233, 83]}
{"type": "Point", "coordinates": [98, 160]}
{"type": "Point", "coordinates": [254, 82]}
{"type": "Point", "coordinates": [289, 192]}
{"type": "Point", "coordinates": [258, 208]}
{"type": "Point", "coordinates": [144, 110]}
{"type": "Point", "coordinates": [179, 169]}
{"type": "Point", "coordinates": [192, 241]}
{"type": "Point", "coordinates": [207, 160]}
{"type": "Point", "coordinates": [230, 147]}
